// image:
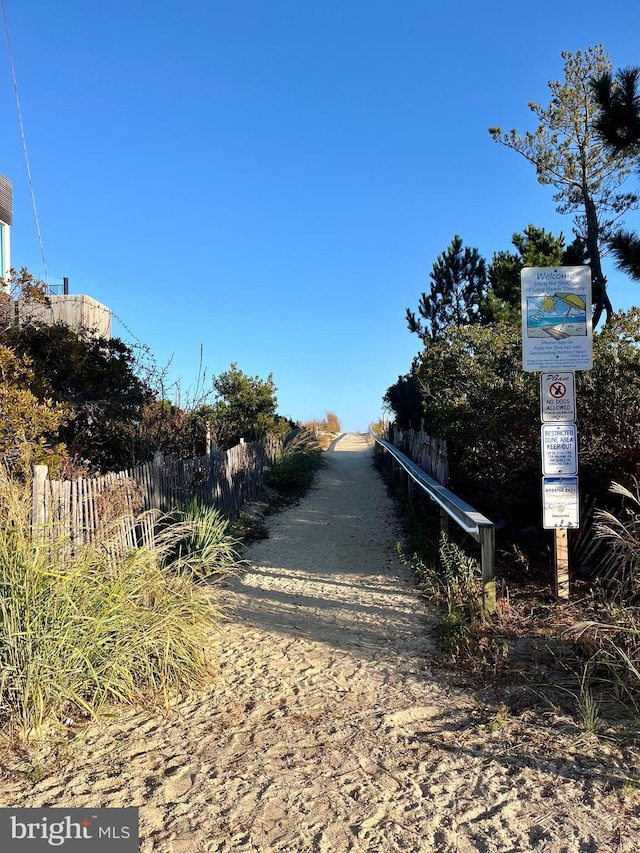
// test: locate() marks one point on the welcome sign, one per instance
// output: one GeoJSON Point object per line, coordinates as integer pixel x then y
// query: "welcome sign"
{"type": "Point", "coordinates": [557, 331]}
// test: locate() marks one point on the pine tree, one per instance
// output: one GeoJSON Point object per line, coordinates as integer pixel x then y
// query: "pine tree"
{"type": "Point", "coordinates": [618, 124]}
{"type": "Point", "coordinates": [535, 247]}
{"type": "Point", "coordinates": [458, 286]}
{"type": "Point", "coordinates": [569, 154]}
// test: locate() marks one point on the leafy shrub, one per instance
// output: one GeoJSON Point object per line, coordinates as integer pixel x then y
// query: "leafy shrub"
{"type": "Point", "coordinates": [405, 399]}
{"type": "Point", "coordinates": [28, 427]}
{"type": "Point", "coordinates": [454, 634]}
{"type": "Point", "coordinates": [487, 408]}
{"type": "Point", "coordinates": [476, 395]}
{"type": "Point", "coordinates": [608, 403]}
{"type": "Point", "coordinates": [456, 581]}
{"type": "Point", "coordinates": [453, 582]}
{"type": "Point", "coordinates": [245, 407]}
{"type": "Point", "coordinates": [79, 629]}
{"type": "Point", "coordinates": [95, 380]}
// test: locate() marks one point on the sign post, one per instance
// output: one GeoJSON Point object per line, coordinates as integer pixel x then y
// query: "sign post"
{"type": "Point", "coordinates": [557, 338]}
{"type": "Point", "coordinates": [561, 560]}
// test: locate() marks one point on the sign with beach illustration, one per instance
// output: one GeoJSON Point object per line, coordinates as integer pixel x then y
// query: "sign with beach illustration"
{"type": "Point", "coordinates": [556, 318]}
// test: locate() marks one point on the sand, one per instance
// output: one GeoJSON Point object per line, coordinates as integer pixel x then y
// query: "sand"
{"type": "Point", "coordinates": [327, 727]}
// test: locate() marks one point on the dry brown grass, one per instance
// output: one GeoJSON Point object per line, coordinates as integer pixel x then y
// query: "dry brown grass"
{"type": "Point", "coordinates": [331, 425]}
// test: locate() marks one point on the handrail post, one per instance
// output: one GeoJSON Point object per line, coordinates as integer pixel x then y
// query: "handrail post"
{"type": "Point", "coordinates": [487, 538]}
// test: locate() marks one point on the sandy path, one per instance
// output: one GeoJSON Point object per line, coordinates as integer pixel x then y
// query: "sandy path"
{"type": "Point", "coordinates": [326, 732]}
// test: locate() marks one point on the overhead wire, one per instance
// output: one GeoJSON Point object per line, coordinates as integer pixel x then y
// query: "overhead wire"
{"type": "Point", "coordinates": [140, 343]}
{"type": "Point", "coordinates": [24, 141]}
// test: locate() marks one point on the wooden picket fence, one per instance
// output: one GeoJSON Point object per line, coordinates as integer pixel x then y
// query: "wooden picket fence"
{"type": "Point", "coordinates": [128, 504]}
{"type": "Point", "coordinates": [428, 452]}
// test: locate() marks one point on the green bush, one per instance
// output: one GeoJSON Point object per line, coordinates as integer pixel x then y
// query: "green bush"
{"type": "Point", "coordinates": [488, 409]}
{"type": "Point", "coordinates": [79, 629]}
{"type": "Point", "coordinates": [94, 380]}
{"type": "Point", "coordinates": [452, 580]}
{"type": "Point", "coordinates": [478, 397]}
{"type": "Point", "coordinates": [244, 407]}
{"type": "Point", "coordinates": [608, 403]}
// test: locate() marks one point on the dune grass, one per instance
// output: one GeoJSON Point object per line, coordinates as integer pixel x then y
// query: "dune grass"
{"type": "Point", "coordinates": [300, 459]}
{"type": "Point", "coordinates": [79, 629]}
{"type": "Point", "coordinates": [331, 424]}
{"type": "Point", "coordinates": [202, 544]}
{"type": "Point", "coordinates": [611, 642]}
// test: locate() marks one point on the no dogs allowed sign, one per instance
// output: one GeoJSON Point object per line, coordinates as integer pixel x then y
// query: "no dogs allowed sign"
{"type": "Point", "coordinates": [558, 397]}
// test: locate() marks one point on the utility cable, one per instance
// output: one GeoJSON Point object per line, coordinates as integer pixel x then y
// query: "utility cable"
{"type": "Point", "coordinates": [24, 141]}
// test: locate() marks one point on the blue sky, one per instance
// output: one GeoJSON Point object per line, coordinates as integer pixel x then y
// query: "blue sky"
{"type": "Point", "coordinates": [271, 182]}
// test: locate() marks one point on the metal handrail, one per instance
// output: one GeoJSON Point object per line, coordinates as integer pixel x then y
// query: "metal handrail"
{"type": "Point", "coordinates": [470, 520]}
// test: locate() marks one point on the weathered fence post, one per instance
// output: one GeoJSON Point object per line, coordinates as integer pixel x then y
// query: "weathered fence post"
{"type": "Point", "coordinates": [158, 492]}
{"type": "Point", "coordinates": [39, 496]}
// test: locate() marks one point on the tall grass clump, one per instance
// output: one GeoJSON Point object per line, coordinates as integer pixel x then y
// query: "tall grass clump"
{"type": "Point", "coordinates": [611, 646]}
{"type": "Point", "coordinates": [620, 569]}
{"type": "Point", "coordinates": [201, 542]}
{"type": "Point", "coordinates": [301, 457]}
{"type": "Point", "coordinates": [331, 424]}
{"type": "Point", "coordinates": [612, 641]}
{"type": "Point", "coordinates": [379, 428]}
{"type": "Point", "coordinates": [453, 582]}
{"type": "Point", "coordinates": [80, 628]}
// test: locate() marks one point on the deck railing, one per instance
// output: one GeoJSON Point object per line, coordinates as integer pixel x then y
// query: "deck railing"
{"type": "Point", "coordinates": [470, 520]}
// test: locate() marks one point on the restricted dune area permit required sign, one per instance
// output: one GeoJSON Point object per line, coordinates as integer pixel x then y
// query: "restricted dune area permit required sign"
{"type": "Point", "coordinates": [558, 397]}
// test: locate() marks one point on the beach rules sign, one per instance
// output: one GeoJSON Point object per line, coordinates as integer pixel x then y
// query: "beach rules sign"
{"type": "Point", "coordinates": [557, 332]}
